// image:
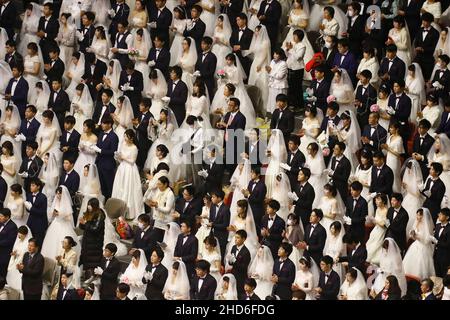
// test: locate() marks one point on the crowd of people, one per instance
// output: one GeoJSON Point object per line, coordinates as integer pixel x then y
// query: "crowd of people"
{"type": "Point", "coordinates": [263, 149]}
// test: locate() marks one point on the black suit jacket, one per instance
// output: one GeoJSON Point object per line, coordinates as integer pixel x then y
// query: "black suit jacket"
{"type": "Point", "coordinates": [233, 10]}
{"type": "Point", "coordinates": [33, 171]}
{"type": "Point", "coordinates": [286, 277]}
{"type": "Point", "coordinates": [156, 285]}
{"type": "Point", "coordinates": [240, 266]}
{"type": "Point", "coordinates": [378, 137]}
{"type": "Point", "coordinates": [254, 296]}
{"type": "Point", "coordinates": [315, 242]}
{"type": "Point", "coordinates": [273, 15]}
{"type": "Point", "coordinates": [321, 92]}
{"type": "Point", "coordinates": [20, 96]}
{"type": "Point", "coordinates": [56, 71]}
{"type": "Point", "coordinates": [71, 294]}
{"type": "Point", "coordinates": [303, 206]}
{"type": "Point", "coordinates": [257, 155]}
{"type": "Point", "coordinates": [109, 279]}
{"type": "Point", "coordinates": [7, 238]}
{"type": "Point", "coordinates": [187, 252]}
{"type": "Point", "coordinates": [87, 39]}
{"type": "Point", "coordinates": [62, 103]}
{"type": "Point", "coordinates": [423, 149]}
{"type": "Point", "coordinates": [444, 125]}
{"type": "Point", "coordinates": [426, 58]}
{"type": "Point", "coordinates": [441, 251]}
{"type": "Point", "coordinates": [121, 14]}
{"type": "Point", "coordinates": [256, 199]}
{"type": "Point", "coordinates": [358, 215]}
{"type": "Point", "coordinates": [8, 19]}
{"type": "Point", "coordinates": [433, 202]}
{"type": "Point", "coordinates": [367, 99]}
{"type": "Point", "coordinates": [220, 221]}
{"type": "Point", "coordinates": [72, 183]}
{"type": "Point", "coordinates": [206, 291]}
{"type": "Point", "coordinates": [244, 42]}
{"type": "Point", "coordinates": [189, 212]}
{"type": "Point", "coordinates": [30, 132]}
{"type": "Point", "coordinates": [383, 182]}
{"type": "Point", "coordinates": [3, 191]}
{"type": "Point", "coordinates": [396, 72]}
{"type": "Point", "coordinates": [275, 237]}
{"type": "Point", "coordinates": [342, 170]}
{"type": "Point", "coordinates": [356, 34]}
{"type": "Point", "coordinates": [444, 80]}
{"type": "Point", "coordinates": [32, 282]}
{"type": "Point", "coordinates": [163, 23]}
{"type": "Point", "coordinates": [51, 32]}
{"type": "Point", "coordinates": [72, 143]}
{"type": "Point", "coordinates": [137, 82]}
{"type": "Point", "coordinates": [37, 220]}
{"type": "Point", "coordinates": [402, 110]}
{"type": "Point", "coordinates": [356, 259]}
{"type": "Point", "coordinates": [285, 124]}
{"type": "Point", "coordinates": [178, 97]}
{"type": "Point", "coordinates": [215, 173]}
{"type": "Point", "coordinates": [98, 111]}
{"type": "Point", "coordinates": [330, 288]}
{"type": "Point", "coordinates": [93, 79]}
{"type": "Point", "coordinates": [146, 242]}
{"type": "Point", "coordinates": [397, 227]}
{"type": "Point", "coordinates": [298, 160]}
{"type": "Point", "coordinates": [196, 33]}
{"type": "Point", "coordinates": [163, 61]}
{"type": "Point", "coordinates": [207, 69]}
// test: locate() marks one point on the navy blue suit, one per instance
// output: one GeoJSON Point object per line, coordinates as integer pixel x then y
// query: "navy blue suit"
{"type": "Point", "coordinates": [178, 97]}
{"type": "Point", "coordinates": [206, 64]}
{"type": "Point", "coordinates": [51, 31]}
{"type": "Point", "coordinates": [286, 277]}
{"type": "Point", "coordinates": [321, 91]}
{"type": "Point", "coordinates": [162, 62]}
{"type": "Point", "coordinates": [72, 182]}
{"type": "Point", "coordinates": [137, 82]}
{"type": "Point", "coordinates": [105, 161]}
{"type": "Point", "coordinates": [37, 221]}
{"type": "Point", "coordinates": [72, 144]}
{"type": "Point", "coordinates": [275, 237]}
{"type": "Point", "coordinates": [357, 212]}
{"type": "Point", "coordinates": [315, 241]}
{"type": "Point", "coordinates": [220, 218]}
{"type": "Point", "coordinates": [8, 236]}
{"type": "Point", "coordinates": [256, 201]}
{"type": "Point", "coordinates": [348, 63]}
{"type": "Point", "coordinates": [20, 96]}
{"type": "Point", "coordinates": [444, 126]}
{"type": "Point", "coordinates": [163, 22]}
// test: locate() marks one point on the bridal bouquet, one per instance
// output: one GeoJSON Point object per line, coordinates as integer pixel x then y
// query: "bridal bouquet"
{"type": "Point", "coordinates": [374, 108]}
{"type": "Point", "coordinates": [221, 74]}
{"type": "Point", "coordinates": [133, 52]}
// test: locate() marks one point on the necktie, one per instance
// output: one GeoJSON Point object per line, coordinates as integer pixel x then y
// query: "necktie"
{"type": "Point", "coordinates": [326, 277]}
{"type": "Point", "coordinates": [354, 203]}
{"type": "Point", "coordinates": [104, 136]}
{"type": "Point", "coordinates": [281, 264]}
{"type": "Point", "coordinates": [185, 239]}
{"type": "Point", "coordinates": [312, 230]}
{"type": "Point", "coordinates": [378, 171]}
{"type": "Point", "coordinates": [372, 130]}
{"type": "Point", "coordinates": [204, 56]}
{"type": "Point", "coordinates": [158, 51]}
{"type": "Point", "coordinates": [270, 223]}
{"type": "Point", "coordinates": [441, 230]}
{"type": "Point", "coordinates": [68, 136]}
{"type": "Point", "coordinates": [230, 120]}
{"type": "Point", "coordinates": [200, 284]}
{"type": "Point", "coordinates": [34, 197]}
{"type": "Point", "coordinates": [391, 62]}
{"type": "Point", "coordinates": [279, 119]}
{"type": "Point", "coordinates": [241, 32]}
{"type": "Point", "coordinates": [421, 140]}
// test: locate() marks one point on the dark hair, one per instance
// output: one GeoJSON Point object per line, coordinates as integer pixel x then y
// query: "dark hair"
{"type": "Point", "coordinates": [400, 82]}
{"type": "Point", "coordinates": [107, 120]}
{"type": "Point", "coordinates": [71, 241]}
{"type": "Point", "coordinates": [400, 20]}
{"type": "Point", "coordinates": [144, 218]}
{"type": "Point", "coordinates": [8, 146]}
{"type": "Point", "coordinates": [70, 120]}
{"type": "Point", "coordinates": [331, 188]}
{"type": "Point", "coordinates": [286, 247]}
{"type": "Point", "coordinates": [437, 167]}
{"type": "Point", "coordinates": [190, 120]}
{"type": "Point", "coordinates": [397, 196]}
{"type": "Point", "coordinates": [131, 135]}
{"type": "Point", "coordinates": [330, 10]}
{"type": "Point", "coordinates": [33, 145]}
{"type": "Point", "coordinates": [428, 17]}
{"type": "Point", "coordinates": [123, 22]}
{"type": "Point", "coordinates": [177, 70]}
{"type": "Point", "coordinates": [444, 58]}
{"type": "Point", "coordinates": [424, 123]}
{"type": "Point", "coordinates": [378, 155]}
{"type": "Point", "coordinates": [211, 240]}
{"type": "Point", "coordinates": [180, 11]}
{"type": "Point", "coordinates": [190, 189]}
{"type": "Point", "coordinates": [32, 46]}
{"type": "Point", "coordinates": [34, 241]}
{"type": "Point", "coordinates": [22, 230]}
{"type": "Point", "coordinates": [281, 53]}
{"type": "Point", "coordinates": [333, 105]}
{"type": "Point", "coordinates": [299, 33]}
{"type": "Point", "coordinates": [236, 101]}
{"type": "Point", "coordinates": [318, 213]}
{"type": "Point", "coordinates": [197, 8]}
{"type": "Point", "coordinates": [208, 41]}
{"type": "Point", "coordinates": [327, 260]}
{"type": "Point", "coordinates": [366, 74]}
{"type": "Point", "coordinates": [382, 197]}
{"type": "Point", "coordinates": [48, 114]}
{"type": "Point", "coordinates": [242, 234]}
{"type": "Point", "coordinates": [281, 97]}
{"type": "Point", "coordinates": [112, 248]}
{"type": "Point", "coordinates": [295, 139]}
{"type": "Point", "coordinates": [306, 261]}
{"type": "Point", "coordinates": [356, 185]}
{"type": "Point", "coordinates": [89, 15]}
{"type": "Point", "coordinates": [161, 166]}
{"type": "Point", "coordinates": [203, 265]}
{"type": "Point", "coordinates": [391, 48]}
{"type": "Point", "coordinates": [123, 288]}
{"type": "Point", "coordinates": [10, 43]}
{"type": "Point", "coordinates": [343, 42]}
{"type": "Point", "coordinates": [32, 108]}
{"type": "Point", "coordinates": [306, 172]}
{"type": "Point", "coordinates": [445, 212]}
{"type": "Point", "coordinates": [218, 193]}
{"type": "Point", "coordinates": [274, 204]}
{"type": "Point", "coordinates": [394, 288]}
{"type": "Point", "coordinates": [337, 226]}
{"type": "Point", "coordinates": [353, 273]}
{"type": "Point", "coordinates": [242, 16]}
{"type": "Point", "coordinates": [147, 102]}
{"type": "Point", "coordinates": [159, 252]}
{"type": "Point", "coordinates": [312, 109]}
{"type": "Point", "coordinates": [6, 212]}
{"type": "Point", "coordinates": [250, 282]}
{"type": "Point", "coordinates": [429, 283]}
{"type": "Point", "coordinates": [90, 124]}
{"type": "Point", "coordinates": [231, 87]}
{"type": "Point", "coordinates": [164, 180]}
{"type": "Point", "coordinates": [136, 254]}
{"type": "Point", "coordinates": [201, 88]}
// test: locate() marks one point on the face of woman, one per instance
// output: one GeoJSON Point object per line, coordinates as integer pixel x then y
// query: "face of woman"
{"type": "Point", "coordinates": [387, 285]}
{"type": "Point", "coordinates": [135, 261]}
{"type": "Point", "coordinates": [159, 154]}
{"type": "Point", "coordinates": [419, 217]}
{"type": "Point", "coordinates": [411, 73]}
{"type": "Point", "coordinates": [364, 160]}
{"type": "Point", "coordinates": [349, 278]}
{"type": "Point", "coordinates": [437, 144]}
{"type": "Point", "coordinates": [119, 103]}
{"type": "Point", "coordinates": [396, 25]}
{"type": "Point", "coordinates": [63, 20]}
{"type": "Point", "coordinates": [229, 62]}
{"type": "Point", "coordinates": [196, 89]}
{"type": "Point", "coordinates": [138, 5]}
{"type": "Point", "coordinates": [110, 69]}
{"type": "Point", "coordinates": [276, 57]}
{"type": "Point", "coordinates": [337, 78]}
{"type": "Point", "coordinates": [58, 195]}
{"type": "Point", "coordinates": [382, 95]}
{"type": "Point", "coordinates": [161, 186]}
{"type": "Point", "coordinates": [327, 192]}
{"type": "Point", "coordinates": [5, 151]}
{"type": "Point", "coordinates": [46, 121]}
{"type": "Point", "coordinates": [8, 113]}
{"type": "Point", "coordinates": [65, 244]}
{"type": "Point", "coordinates": [85, 172]}
{"type": "Point", "coordinates": [366, 55]}
{"type": "Point", "coordinates": [225, 285]}
{"type": "Point", "coordinates": [21, 236]}
{"type": "Point", "coordinates": [79, 92]}
{"type": "Point", "coordinates": [303, 266]}
{"type": "Point", "coordinates": [28, 12]}
{"type": "Point", "coordinates": [379, 202]}
{"type": "Point", "coordinates": [162, 116]}
{"type": "Point", "coordinates": [219, 23]}
{"type": "Point", "coordinates": [226, 91]}
{"type": "Point", "coordinates": [138, 37]}
{"type": "Point", "coordinates": [392, 130]}
{"type": "Point", "coordinates": [185, 45]}
{"type": "Point", "coordinates": [443, 35]}
{"type": "Point", "coordinates": [297, 5]}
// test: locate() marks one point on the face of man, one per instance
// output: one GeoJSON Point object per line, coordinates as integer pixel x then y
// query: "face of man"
{"type": "Point", "coordinates": [32, 248]}
{"type": "Point", "coordinates": [301, 177]}
{"type": "Point", "coordinates": [238, 240]}
{"type": "Point", "coordinates": [106, 126]}
{"type": "Point", "coordinates": [56, 85]}
{"type": "Point", "coordinates": [67, 165]}
{"type": "Point", "coordinates": [3, 218]}
{"type": "Point", "coordinates": [154, 258]}
{"type": "Point", "coordinates": [34, 188]}
{"type": "Point", "coordinates": [105, 98]}
{"type": "Point", "coordinates": [397, 89]}
{"type": "Point", "coordinates": [337, 151]}
{"type": "Point", "coordinates": [292, 146]}
{"type": "Point", "coordinates": [372, 119]}
{"type": "Point", "coordinates": [15, 73]}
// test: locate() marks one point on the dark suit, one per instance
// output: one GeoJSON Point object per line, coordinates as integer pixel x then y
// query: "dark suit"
{"type": "Point", "coordinates": [357, 212]}
{"type": "Point", "coordinates": [274, 239]}
{"type": "Point", "coordinates": [105, 161]}
{"type": "Point", "coordinates": [120, 42]}
{"type": "Point", "coordinates": [256, 198]}
{"type": "Point", "coordinates": [303, 206]}
{"type": "Point", "coordinates": [422, 147]}
{"type": "Point", "coordinates": [441, 251]}
{"type": "Point", "coordinates": [254, 296]}
{"type": "Point", "coordinates": [56, 71]}
{"type": "Point", "coordinates": [60, 105]}
{"type": "Point", "coordinates": [156, 285]}
{"type": "Point", "coordinates": [143, 142]}
{"type": "Point", "coordinates": [71, 181]}
{"type": "Point", "coordinates": [37, 220]}
{"type": "Point", "coordinates": [433, 202]}
{"type": "Point", "coordinates": [348, 63]}
{"type": "Point", "coordinates": [88, 36]}
{"type": "Point", "coordinates": [122, 11]}
{"type": "Point", "coordinates": [285, 123]}
{"type": "Point", "coordinates": [14, 59]}
{"type": "Point", "coordinates": [214, 179]}
{"type": "Point", "coordinates": [8, 19]}
{"type": "Point", "coordinates": [256, 152]}
{"type": "Point", "coordinates": [94, 77]}
{"type": "Point", "coordinates": [232, 11]}
{"type": "Point", "coordinates": [233, 138]}
{"type": "Point", "coordinates": [29, 133]}
{"type": "Point", "coordinates": [272, 20]}
{"type": "Point", "coordinates": [136, 81]}
{"type": "Point", "coordinates": [426, 58]}
{"type": "Point", "coordinates": [341, 172]}
{"type": "Point", "coordinates": [244, 42]}
{"type": "Point", "coordinates": [145, 240]}
{"type": "Point", "coordinates": [163, 19]}
{"type": "Point", "coordinates": [187, 249]}
{"type": "Point", "coordinates": [443, 77]}
{"type": "Point", "coordinates": [32, 282]}
{"type": "Point", "coordinates": [444, 125]}
{"type": "Point", "coordinates": [382, 182]}
{"type": "Point", "coordinates": [402, 109]}
{"type": "Point", "coordinates": [20, 96]}
{"type": "Point", "coordinates": [368, 98]}
{"type": "Point", "coordinates": [412, 14]}
{"type": "Point", "coordinates": [188, 210]}
{"type": "Point", "coordinates": [240, 267]}
{"type": "Point", "coordinates": [70, 293]}
{"type": "Point", "coordinates": [207, 289]}
{"type": "Point", "coordinates": [356, 35]}
{"type": "Point", "coordinates": [109, 281]}
{"type": "Point", "coordinates": [332, 139]}
{"type": "Point", "coordinates": [397, 227]}
{"type": "Point", "coordinates": [378, 137]}
{"type": "Point", "coordinates": [220, 219]}
{"type": "Point", "coordinates": [8, 235]}
{"type": "Point", "coordinates": [286, 277]}
{"type": "Point", "coordinates": [315, 241]}
{"type": "Point", "coordinates": [396, 72]}
{"type": "Point", "coordinates": [330, 287]}
{"type": "Point", "coordinates": [163, 60]}
{"type": "Point", "coordinates": [321, 90]}
{"type": "Point", "coordinates": [51, 31]}
{"type": "Point", "coordinates": [356, 258]}
{"type": "Point", "coordinates": [72, 144]}
{"type": "Point", "coordinates": [110, 108]}
{"type": "Point", "coordinates": [196, 32]}
{"type": "Point", "coordinates": [295, 161]}
{"type": "Point", "coordinates": [206, 64]}
{"type": "Point", "coordinates": [33, 170]}
{"type": "Point", "coordinates": [3, 191]}
{"type": "Point", "coordinates": [178, 96]}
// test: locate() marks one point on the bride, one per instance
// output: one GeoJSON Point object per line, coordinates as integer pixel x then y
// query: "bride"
{"type": "Point", "coordinates": [317, 15]}
{"type": "Point", "coordinates": [233, 75]}
{"type": "Point", "coordinates": [221, 47]}
{"type": "Point", "coordinates": [354, 286]}
{"type": "Point", "coordinates": [335, 247]}
{"type": "Point", "coordinates": [82, 106]}
{"type": "Point", "coordinates": [376, 237]}
{"type": "Point", "coordinates": [178, 26]}
{"type": "Point", "coordinates": [133, 275]}
{"type": "Point", "coordinates": [226, 288]}
{"type": "Point", "coordinates": [157, 89]}
{"type": "Point", "coordinates": [276, 150]}
{"type": "Point", "coordinates": [75, 72]}
{"type": "Point", "coordinates": [169, 243]}
{"type": "Point", "coordinates": [13, 276]}
{"type": "Point", "coordinates": [66, 36]}
{"type": "Point", "coordinates": [143, 43]}
{"type": "Point", "coordinates": [350, 134]}
{"type": "Point", "coordinates": [260, 49]}
{"type": "Point", "coordinates": [239, 181]}
{"type": "Point", "coordinates": [310, 128]}
{"type": "Point", "coordinates": [15, 202]}
{"type": "Point", "coordinates": [48, 136]}
{"type": "Point", "coordinates": [127, 183]}
{"type": "Point", "coordinates": [49, 175]}
{"type": "Point", "coordinates": [33, 66]}
{"type": "Point", "coordinates": [111, 79]}
{"type": "Point", "coordinates": [61, 224]}
{"type": "Point", "coordinates": [316, 163]}
{"type": "Point", "coordinates": [122, 117]}
{"type": "Point", "coordinates": [177, 284]}
{"type": "Point", "coordinates": [342, 89]}
{"type": "Point", "coordinates": [390, 264]}
{"type": "Point", "coordinates": [418, 260]}
{"type": "Point", "coordinates": [261, 270]}
{"type": "Point", "coordinates": [29, 27]}
{"type": "Point", "coordinates": [9, 126]}
{"type": "Point", "coordinates": [187, 57]}
{"type": "Point", "coordinates": [40, 98]}
{"type": "Point", "coordinates": [87, 139]}
{"type": "Point", "coordinates": [412, 198]}
{"type": "Point", "coordinates": [100, 44]}
{"type": "Point", "coordinates": [415, 89]}
{"type": "Point", "coordinates": [332, 206]}
{"type": "Point", "coordinates": [440, 152]}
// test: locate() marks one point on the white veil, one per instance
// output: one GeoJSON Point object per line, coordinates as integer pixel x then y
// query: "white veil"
{"type": "Point", "coordinates": [101, 6]}
{"type": "Point", "coordinates": [114, 76]}
{"type": "Point", "coordinates": [5, 75]}
{"type": "Point", "coordinates": [337, 240]}
{"type": "Point", "coordinates": [178, 283]}
{"type": "Point", "coordinates": [260, 42]}
{"type": "Point", "coordinates": [170, 240]}
{"type": "Point", "coordinates": [391, 263]}
{"type": "Point", "coordinates": [427, 223]}
{"type": "Point", "coordinates": [191, 58]}
{"type": "Point", "coordinates": [160, 88]}
{"type": "Point", "coordinates": [252, 238]}
{"type": "Point", "coordinates": [55, 125]}
{"type": "Point", "coordinates": [444, 149]}
{"type": "Point", "coordinates": [412, 177]}
{"type": "Point", "coordinates": [446, 50]}
{"type": "Point", "coordinates": [226, 26]}
{"type": "Point", "coordinates": [135, 274]}
{"type": "Point", "coordinates": [359, 286]}
{"type": "Point", "coordinates": [353, 141]}
{"type": "Point", "coordinates": [42, 98]}
{"type": "Point", "coordinates": [14, 121]}
{"type": "Point", "coordinates": [232, 290]}
{"type": "Point", "coordinates": [90, 185]}
{"type": "Point", "coordinates": [85, 103]}
{"type": "Point", "coordinates": [29, 22]}
{"type": "Point", "coordinates": [345, 83]}
{"type": "Point", "coordinates": [277, 146]}
{"type": "Point", "coordinates": [77, 71]}
{"type": "Point", "coordinates": [262, 265]}
{"type": "Point", "coordinates": [125, 113]}
{"type": "Point", "coordinates": [3, 39]}
{"type": "Point", "coordinates": [63, 205]}
{"type": "Point", "coordinates": [420, 83]}
{"type": "Point", "coordinates": [239, 180]}
{"type": "Point", "coordinates": [146, 40]}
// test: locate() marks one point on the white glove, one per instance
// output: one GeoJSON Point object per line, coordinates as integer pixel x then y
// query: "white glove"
{"type": "Point", "coordinates": [434, 240]}
{"type": "Point", "coordinates": [293, 196]}
{"type": "Point", "coordinates": [309, 91]}
{"type": "Point", "coordinates": [98, 271]}
{"type": "Point", "coordinates": [372, 195]}
{"type": "Point", "coordinates": [166, 99]}
{"type": "Point", "coordinates": [390, 110]}
{"type": "Point", "coordinates": [96, 149]}
{"type": "Point", "coordinates": [28, 205]}
{"type": "Point", "coordinates": [231, 259]}
{"type": "Point", "coordinates": [112, 13]}
{"type": "Point", "coordinates": [148, 276]}
{"type": "Point", "coordinates": [427, 193]}
{"type": "Point", "coordinates": [203, 173]}
{"type": "Point", "coordinates": [387, 223]}
{"type": "Point", "coordinates": [125, 87]}
{"type": "Point", "coordinates": [437, 85]}
{"type": "Point", "coordinates": [380, 271]}
{"type": "Point", "coordinates": [285, 166]}
{"type": "Point", "coordinates": [197, 74]}
{"type": "Point", "coordinates": [20, 137]}
{"type": "Point", "coordinates": [23, 174]}
{"type": "Point", "coordinates": [312, 99]}
{"type": "Point", "coordinates": [347, 220]}
{"type": "Point", "coordinates": [79, 35]}
{"type": "Point", "coordinates": [151, 63]}
{"type": "Point", "coordinates": [330, 172]}
{"type": "Point", "coordinates": [152, 25]}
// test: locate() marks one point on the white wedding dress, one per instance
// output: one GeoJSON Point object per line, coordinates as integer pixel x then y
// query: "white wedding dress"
{"type": "Point", "coordinates": [261, 270]}
{"type": "Point", "coordinates": [412, 198]}
{"type": "Point", "coordinates": [376, 237]}
{"type": "Point", "coordinates": [13, 276]}
{"type": "Point", "coordinates": [310, 126]}
{"type": "Point", "coordinates": [394, 162]}
{"type": "Point", "coordinates": [18, 213]}
{"type": "Point", "coordinates": [221, 47]}
{"type": "Point", "coordinates": [86, 155]}
{"type": "Point", "coordinates": [133, 277]}
{"type": "Point", "coordinates": [180, 25]}
{"type": "Point", "coordinates": [127, 182]}
{"type": "Point", "coordinates": [318, 179]}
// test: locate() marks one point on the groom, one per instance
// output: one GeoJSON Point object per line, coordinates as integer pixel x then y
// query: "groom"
{"type": "Point", "coordinates": [106, 147]}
